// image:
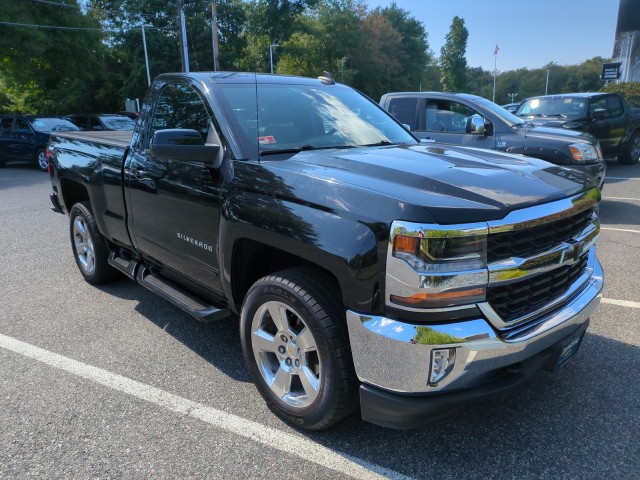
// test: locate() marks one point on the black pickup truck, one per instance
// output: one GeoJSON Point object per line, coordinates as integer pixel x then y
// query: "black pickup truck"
{"type": "Point", "coordinates": [607, 116]}
{"type": "Point", "coordinates": [366, 269]}
{"type": "Point", "coordinates": [472, 121]}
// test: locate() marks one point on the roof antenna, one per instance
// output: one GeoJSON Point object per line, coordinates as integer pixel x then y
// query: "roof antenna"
{"type": "Point", "coordinates": [326, 78]}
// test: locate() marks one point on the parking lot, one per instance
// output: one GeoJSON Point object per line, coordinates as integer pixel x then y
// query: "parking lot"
{"type": "Point", "coordinates": [114, 382]}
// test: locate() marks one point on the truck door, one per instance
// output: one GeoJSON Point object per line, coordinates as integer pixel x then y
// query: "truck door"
{"type": "Point", "coordinates": [453, 122]}
{"type": "Point", "coordinates": [6, 132]}
{"type": "Point", "coordinates": [609, 130]}
{"type": "Point", "coordinates": [23, 140]}
{"type": "Point", "coordinates": [174, 205]}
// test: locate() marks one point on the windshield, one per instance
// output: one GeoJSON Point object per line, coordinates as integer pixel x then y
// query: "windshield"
{"type": "Point", "coordinates": [277, 118]}
{"type": "Point", "coordinates": [508, 117]}
{"type": "Point", "coordinates": [555, 107]}
{"type": "Point", "coordinates": [118, 123]}
{"type": "Point", "coordinates": [48, 125]}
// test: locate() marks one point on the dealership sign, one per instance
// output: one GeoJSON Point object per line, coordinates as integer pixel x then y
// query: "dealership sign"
{"type": "Point", "coordinates": [611, 71]}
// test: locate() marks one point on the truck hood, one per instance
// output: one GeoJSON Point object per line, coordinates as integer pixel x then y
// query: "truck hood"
{"type": "Point", "coordinates": [548, 132]}
{"type": "Point", "coordinates": [453, 184]}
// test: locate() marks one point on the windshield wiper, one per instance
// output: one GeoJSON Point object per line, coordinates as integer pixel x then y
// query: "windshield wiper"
{"type": "Point", "coordinates": [523, 124]}
{"type": "Point", "coordinates": [381, 143]}
{"type": "Point", "coordinates": [561, 115]}
{"type": "Point", "coordinates": [305, 148]}
{"type": "Point", "coordinates": [287, 150]}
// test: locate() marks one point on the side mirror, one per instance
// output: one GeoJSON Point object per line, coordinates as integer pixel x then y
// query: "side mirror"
{"type": "Point", "coordinates": [475, 124]}
{"type": "Point", "coordinates": [488, 128]}
{"type": "Point", "coordinates": [184, 145]}
{"type": "Point", "coordinates": [600, 113]}
{"type": "Point", "coordinates": [407, 127]}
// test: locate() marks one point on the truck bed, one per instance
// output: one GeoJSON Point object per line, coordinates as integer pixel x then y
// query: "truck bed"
{"type": "Point", "coordinates": [113, 138]}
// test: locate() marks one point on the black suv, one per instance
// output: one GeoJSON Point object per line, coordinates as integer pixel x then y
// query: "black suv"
{"type": "Point", "coordinates": [24, 138]}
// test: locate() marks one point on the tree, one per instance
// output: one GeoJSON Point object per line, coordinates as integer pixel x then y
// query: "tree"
{"type": "Point", "coordinates": [415, 48]}
{"type": "Point", "coordinates": [52, 70]}
{"type": "Point", "coordinates": [452, 57]}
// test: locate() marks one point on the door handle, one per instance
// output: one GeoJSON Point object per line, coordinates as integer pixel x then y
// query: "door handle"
{"type": "Point", "coordinates": [139, 172]}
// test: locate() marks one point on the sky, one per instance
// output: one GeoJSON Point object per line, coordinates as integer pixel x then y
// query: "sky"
{"type": "Point", "coordinates": [530, 33]}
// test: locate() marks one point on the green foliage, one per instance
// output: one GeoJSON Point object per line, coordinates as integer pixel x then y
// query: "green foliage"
{"type": "Point", "coordinates": [452, 57]}
{"type": "Point", "coordinates": [49, 70]}
{"type": "Point", "coordinates": [376, 51]}
{"type": "Point", "coordinates": [630, 91]}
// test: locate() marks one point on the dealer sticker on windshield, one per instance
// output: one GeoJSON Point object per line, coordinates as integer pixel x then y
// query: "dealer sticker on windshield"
{"type": "Point", "coordinates": [266, 140]}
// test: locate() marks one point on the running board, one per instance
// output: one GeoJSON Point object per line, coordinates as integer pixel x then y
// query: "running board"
{"type": "Point", "coordinates": [181, 299]}
{"type": "Point", "coordinates": [128, 267]}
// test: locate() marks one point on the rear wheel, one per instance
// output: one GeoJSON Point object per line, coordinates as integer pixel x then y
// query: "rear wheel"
{"type": "Point", "coordinates": [90, 249]}
{"type": "Point", "coordinates": [41, 159]}
{"type": "Point", "coordinates": [631, 152]}
{"type": "Point", "coordinates": [296, 347]}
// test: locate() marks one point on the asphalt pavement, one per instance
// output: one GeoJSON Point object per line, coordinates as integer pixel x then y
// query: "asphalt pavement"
{"type": "Point", "coordinates": [114, 382]}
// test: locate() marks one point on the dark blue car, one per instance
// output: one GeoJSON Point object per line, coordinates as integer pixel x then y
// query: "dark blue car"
{"type": "Point", "coordinates": [24, 138]}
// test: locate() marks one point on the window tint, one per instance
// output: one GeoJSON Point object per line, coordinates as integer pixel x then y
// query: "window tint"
{"type": "Point", "coordinates": [5, 123]}
{"type": "Point", "coordinates": [447, 116]}
{"type": "Point", "coordinates": [611, 103]}
{"type": "Point", "coordinates": [22, 125]}
{"type": "Point", "coordinates": [180, 106]}
{"type": "Point", "coordinates": [404, 110]}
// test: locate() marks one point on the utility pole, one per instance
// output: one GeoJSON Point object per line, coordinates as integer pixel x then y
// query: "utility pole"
{"type": "Point", "coordinates": [184, 50]}
{"type": "Point", "coordinates": [546, 86]}
{"type": "Point", "coordinates": [214, 35]}
{"type": "Point", "coordinates": [146, 56]}
{"type": "Point", "coordinates": [271, 47]}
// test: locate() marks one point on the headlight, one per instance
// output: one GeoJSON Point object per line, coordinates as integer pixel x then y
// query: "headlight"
{"type": "Point", "coordinates": [442, 253]}
{"type": "Point", "coordinates": [584, 152]}
{"type": "Point", "coordinates": [451, 265]}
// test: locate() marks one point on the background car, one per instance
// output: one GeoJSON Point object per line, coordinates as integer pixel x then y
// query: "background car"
{"type": "Point", "coordinates": [606, 116]}
{"type": "Point", "coordinates": [511, 107]}
{"type": "Point", "coordinates": [100, 122]}
{"type": "Point", "coordinates": [24, 138]}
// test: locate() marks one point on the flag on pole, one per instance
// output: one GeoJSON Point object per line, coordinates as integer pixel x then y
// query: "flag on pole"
{"type": "Point", "coordinates": [496, 50]}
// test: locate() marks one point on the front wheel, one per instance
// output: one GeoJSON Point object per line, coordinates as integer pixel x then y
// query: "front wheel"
{"type": "Point", "coordinates": [42, 160]}
{"type": "Point", "coordinates": [89, 246]}
{"type": "Point", "coordinates": [295, 344]}
{"type": "Point", "coordinates": [631, 152]}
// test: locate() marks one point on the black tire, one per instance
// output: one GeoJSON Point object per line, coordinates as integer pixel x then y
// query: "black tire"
{"type": "Point", "coordinates": [41, 160]}
{"type": "Point", "coordinates": [313, 366]}
{"type": "Point", "coordinates": [631, 153]}
{"type": "Point", "coordinates": [89, 247]}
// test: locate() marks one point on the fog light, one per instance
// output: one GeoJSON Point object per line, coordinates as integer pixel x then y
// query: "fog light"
{"type": "Point", "coordinates": [442, 361]}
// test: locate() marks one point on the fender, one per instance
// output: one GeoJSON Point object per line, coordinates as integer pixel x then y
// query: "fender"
{"type": "Point", "coordinates": [348, 249]}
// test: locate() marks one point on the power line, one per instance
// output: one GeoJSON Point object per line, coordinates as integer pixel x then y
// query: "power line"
{"type": "Point", "coordinates": [50, 27]}
{"type": "Point", "coordinates": [88, 8]}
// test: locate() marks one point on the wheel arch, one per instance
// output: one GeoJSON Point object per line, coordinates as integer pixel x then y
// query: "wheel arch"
{"type": "Point", "coordinates": [352, 262]}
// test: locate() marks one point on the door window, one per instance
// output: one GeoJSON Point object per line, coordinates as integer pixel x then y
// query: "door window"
{"type": "Point", "coordinates": [448, 116]}
{"type": "Point", "coordinates": [22, 126]}
{"type": "Point", "coordinates": [404, 110]}
{"type": "Point", "coordinates": [180, 106]}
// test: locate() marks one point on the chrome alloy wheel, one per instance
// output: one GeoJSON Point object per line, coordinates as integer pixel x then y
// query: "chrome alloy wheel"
{"type": "Point", "coordinates": [286, 354]}
{"type": "Point", "coordinates": [43, 162]}
{"type": "Point", "coordinates": [634, 153]}
{"type": "Point", "coordinates": [84, 246]}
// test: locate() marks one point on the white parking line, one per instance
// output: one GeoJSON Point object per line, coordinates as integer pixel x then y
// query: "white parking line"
{"type": "Point", "coordinates": [270, 437]}
{"type": "Point", "coordinates": [621, 303]}
{"type": "Point", "coordinates": [620, 178]}
{"type": "Point", "coordinates": [620, 229]}
{"type": "Point", "coordinates": [621, 198]}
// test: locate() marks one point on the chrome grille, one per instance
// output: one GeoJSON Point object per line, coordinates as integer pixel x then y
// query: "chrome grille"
{"type": "Point", "coordinates": [523, 243]}
{"type": "Point", "coordinates": [516, 300]}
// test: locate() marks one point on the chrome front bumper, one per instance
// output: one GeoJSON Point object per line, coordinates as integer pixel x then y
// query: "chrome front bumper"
{"type": "Point", "coordinates": [395, 356]}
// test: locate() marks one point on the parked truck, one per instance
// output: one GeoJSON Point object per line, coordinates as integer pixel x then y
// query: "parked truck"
{"type": "Point", "coordinates": [472, 121]}
{"type": "Point", "coordinates": [607, 116]}
{"type": "Point", "coordinates": [366, 269]}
